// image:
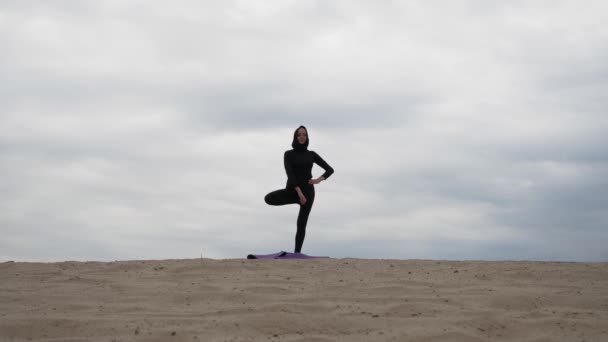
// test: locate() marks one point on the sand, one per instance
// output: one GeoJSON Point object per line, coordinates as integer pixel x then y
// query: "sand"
{"type": "Point", "coordinates": [303, 300]}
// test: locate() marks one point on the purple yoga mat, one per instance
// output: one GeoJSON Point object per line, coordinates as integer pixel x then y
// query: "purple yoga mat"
{"type": "Point", "coordinates": [283, 255]}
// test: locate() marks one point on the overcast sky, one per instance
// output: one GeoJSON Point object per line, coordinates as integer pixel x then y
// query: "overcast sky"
{"type": "Point", "coordinates": [154, 129]}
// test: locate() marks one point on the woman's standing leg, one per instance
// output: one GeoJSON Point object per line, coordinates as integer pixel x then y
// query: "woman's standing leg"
{"type": "Point", "coordinates": [303, 218]}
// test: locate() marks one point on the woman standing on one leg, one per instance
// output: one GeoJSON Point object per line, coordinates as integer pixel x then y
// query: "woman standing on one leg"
{"type": "Point", "coordinates": [300, 184]}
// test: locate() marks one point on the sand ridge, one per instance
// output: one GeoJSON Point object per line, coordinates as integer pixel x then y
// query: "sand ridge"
{"type": "Point", "coordinates": [303, 300]}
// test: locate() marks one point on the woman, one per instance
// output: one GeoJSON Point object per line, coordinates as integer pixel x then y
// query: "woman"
{"type": "Point", "coordinates": [300, 184]}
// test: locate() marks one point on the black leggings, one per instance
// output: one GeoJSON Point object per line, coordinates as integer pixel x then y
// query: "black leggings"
{"type": "Point", "coordinates": [290, 196]}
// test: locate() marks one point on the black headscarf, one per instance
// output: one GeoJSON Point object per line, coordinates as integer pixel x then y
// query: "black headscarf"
{"type": "Point", "coordinates": [296, 145]}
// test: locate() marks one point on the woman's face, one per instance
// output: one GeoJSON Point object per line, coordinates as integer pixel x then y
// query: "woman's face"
{"type": "Point", "coordinates": [302, 136]}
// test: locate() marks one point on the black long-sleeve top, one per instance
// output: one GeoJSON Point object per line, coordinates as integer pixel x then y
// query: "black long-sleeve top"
{"type": "Point", "coordinates": [298, 166]}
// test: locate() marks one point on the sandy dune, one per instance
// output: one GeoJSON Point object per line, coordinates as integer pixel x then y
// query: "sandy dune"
{"type": "Point", "coordinates": [303, 300]}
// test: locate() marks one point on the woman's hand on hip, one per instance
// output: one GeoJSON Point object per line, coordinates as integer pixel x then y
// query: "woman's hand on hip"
{"type": "Point", "coordinates": [314, 181]}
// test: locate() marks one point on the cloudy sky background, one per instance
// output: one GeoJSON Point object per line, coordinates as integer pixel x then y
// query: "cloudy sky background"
{"type": "Point", "coordinates": [153, 129]}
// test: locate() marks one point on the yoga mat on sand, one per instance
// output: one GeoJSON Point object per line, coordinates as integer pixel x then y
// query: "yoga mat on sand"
{"type": "Point", "coordinates": [283, 255]}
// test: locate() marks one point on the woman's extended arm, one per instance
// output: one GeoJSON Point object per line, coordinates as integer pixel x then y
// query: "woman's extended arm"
{"type": "Point", "coordinates": [291, 176]}
{"type": "Point", "coordinates": [301, 195]}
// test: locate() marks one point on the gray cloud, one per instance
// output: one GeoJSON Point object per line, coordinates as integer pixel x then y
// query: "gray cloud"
{"type": "Point", "coordinates": [465, 131]}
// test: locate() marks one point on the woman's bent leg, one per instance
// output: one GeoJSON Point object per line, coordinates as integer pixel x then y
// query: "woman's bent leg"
{"type": "Point", "coordinates": [282, 197]}
{"type": "Point", "coordinates": [290, 196]}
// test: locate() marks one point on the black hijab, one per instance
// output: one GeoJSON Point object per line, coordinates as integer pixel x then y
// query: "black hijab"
{"type": "Point", "coordinates": [296, 145]}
